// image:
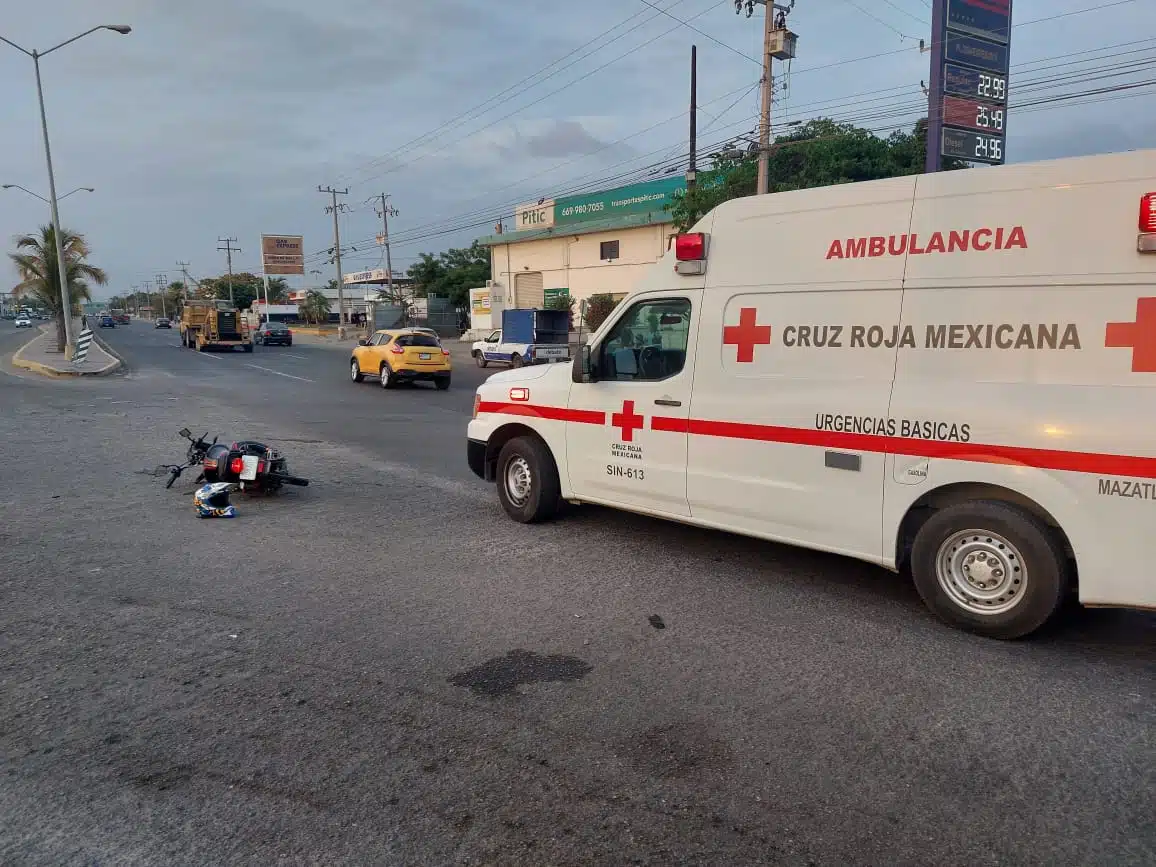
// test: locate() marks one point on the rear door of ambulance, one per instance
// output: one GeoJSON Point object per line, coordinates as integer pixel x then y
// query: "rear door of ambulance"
{"type": "Point", "coordinates": [797, 349]}
{"type": "Point", "coordinates": [1035, 363]}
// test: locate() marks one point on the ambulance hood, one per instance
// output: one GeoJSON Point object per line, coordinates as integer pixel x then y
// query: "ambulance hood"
{"type": "Point", "coordinates": [525, 374]}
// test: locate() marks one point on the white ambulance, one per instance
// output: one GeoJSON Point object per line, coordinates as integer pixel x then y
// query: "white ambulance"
{"type": "Point", "coordinates": [952, 372]}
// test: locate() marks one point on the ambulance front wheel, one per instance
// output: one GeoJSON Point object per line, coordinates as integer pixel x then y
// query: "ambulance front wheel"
{"type": "Point", "coordinates": [528, 480]}
{"type": "Point", "coordinates": [990, 568]}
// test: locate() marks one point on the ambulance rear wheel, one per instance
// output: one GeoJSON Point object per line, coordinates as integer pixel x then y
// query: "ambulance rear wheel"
{"type": "Point", "coordinates": [515, 360]}
{"type": "Point", "coordinates": [528, 484]}
{"type": "Point", "coordinates": [991, 568]}
{"type": "Point", "coordinates": [481, 360]}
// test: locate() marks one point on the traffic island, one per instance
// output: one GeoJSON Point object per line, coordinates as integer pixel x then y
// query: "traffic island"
{"type": "Point", "coordinates": [40, 356]}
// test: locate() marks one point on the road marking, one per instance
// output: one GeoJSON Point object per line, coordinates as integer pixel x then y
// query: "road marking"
{"type": "Point", "coordinates": [207, 355]}
{"type": "Point", "coordinates": [290, 355]}
{"type": "Point", "coordinates": [279, 373]}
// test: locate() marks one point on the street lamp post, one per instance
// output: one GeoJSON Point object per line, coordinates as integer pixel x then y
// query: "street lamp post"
{"type": "Point", "coordinates": [65, 297]}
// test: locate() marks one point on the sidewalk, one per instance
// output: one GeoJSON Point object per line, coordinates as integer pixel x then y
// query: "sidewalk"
{"type": "Point", "coordinates": [40, 356]}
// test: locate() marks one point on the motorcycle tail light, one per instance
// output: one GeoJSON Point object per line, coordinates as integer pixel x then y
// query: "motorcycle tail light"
{"type": "Point", "coordinates": [260, 466]}
{"type": "Point", "coordinates": [236, 466]}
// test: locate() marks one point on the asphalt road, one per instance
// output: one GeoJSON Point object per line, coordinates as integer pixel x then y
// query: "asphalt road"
{"type": "Point", "coordinates": [381, 668]}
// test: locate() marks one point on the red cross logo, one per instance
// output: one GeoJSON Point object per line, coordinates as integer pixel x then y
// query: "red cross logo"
{"type": "Point", "coordinates": [627, 421]}
{"type": "Point", "coordinates": [746, 335]}
{"type": "Point", "coordinates": [1139, 336]}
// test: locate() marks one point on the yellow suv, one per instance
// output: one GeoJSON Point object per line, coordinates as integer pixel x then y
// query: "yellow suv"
{"type": "Point", "coordinates": [401, 355]}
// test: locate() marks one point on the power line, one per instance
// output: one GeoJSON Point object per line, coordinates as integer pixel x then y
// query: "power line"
{"type": "Point", "coordinates": [875, 17]}
{"type": "Point", "coordinates": [703, 33]}
{"type": "Point", "coordinates": [554, 92]}
{"type": "Point", "coordinates": [482, 108]}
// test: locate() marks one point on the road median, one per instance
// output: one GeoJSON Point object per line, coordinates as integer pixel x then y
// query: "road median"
{"type": "Point", "coordinates": [39, 355]}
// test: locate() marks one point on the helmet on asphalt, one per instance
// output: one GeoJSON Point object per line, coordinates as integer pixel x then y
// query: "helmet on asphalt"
{"type": "Point", "coordinates": [212, 501]}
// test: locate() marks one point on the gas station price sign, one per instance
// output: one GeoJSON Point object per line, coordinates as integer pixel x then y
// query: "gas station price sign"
{"type": "Point", "coordinates": [971, 87]}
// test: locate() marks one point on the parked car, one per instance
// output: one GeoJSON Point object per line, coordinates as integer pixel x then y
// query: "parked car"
{"type": "Point", "coordinates": [402, 355]}
{"type": "Point", "coordinates": [162, 322]}
{"type": "Point", "coordinates": [274, 333]}
{"type": "Point", "coordinates": [486, 344]}
{"type": "Point", "coordinates": [107, 322]}
{"type": "Point", "coordinates": [23, 321]}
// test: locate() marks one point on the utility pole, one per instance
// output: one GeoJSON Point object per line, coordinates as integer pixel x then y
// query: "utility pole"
{"type": "Point", "coordinates": [387, 211]}
{"type": "Point", "coordinates": [691, 169]}
{"type": "Point", "coordinates": [229, 250]}
{"type": "Point", "coordinates": [777, 42]}
{"type": "Point", "coordinates": [766, 98]}
{"type": "Point", "coordinates": [184, 266]}
{"type": "Point", "coordinates": [335, 209]}
{"type": "Point", "coordinates": [148, 291]}
{"type": "Point", "coordinates": [162, 286]}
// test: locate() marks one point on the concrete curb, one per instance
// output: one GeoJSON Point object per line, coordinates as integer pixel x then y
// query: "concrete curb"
{"type": "Point", "coordinates": [48, 370]}
{"type": "Point", "coordinates": [99, 341]}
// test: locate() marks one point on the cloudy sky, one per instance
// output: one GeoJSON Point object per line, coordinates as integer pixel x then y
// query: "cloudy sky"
{"type": "Point", "coordinates": [222, 117]}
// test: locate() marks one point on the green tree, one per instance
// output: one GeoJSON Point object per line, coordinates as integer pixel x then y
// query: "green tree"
{"type": "Point", "coordinates": [315, 306]}
{"type": "Point", "coordinates": [819, 153]}
{"type": "Point", "coordinates": [278, 290]}
{"type": "Point", "coordinates": [246, 288]}
{"type": "Point", "coordinates": [451, 274]}
{"type": "Point", "coordinates": [597, 309]}
{"type": "Point", "coordinates": [35, 260]}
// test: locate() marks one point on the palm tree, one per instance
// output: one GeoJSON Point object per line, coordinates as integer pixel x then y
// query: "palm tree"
{"type": "Point", "coordinates": [315, 306]}
{"type": "Point", "coordinates": [35, 259]}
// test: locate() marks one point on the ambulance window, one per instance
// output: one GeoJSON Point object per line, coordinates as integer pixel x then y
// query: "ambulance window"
{"type": "Point", "coordinates": [648, 343]}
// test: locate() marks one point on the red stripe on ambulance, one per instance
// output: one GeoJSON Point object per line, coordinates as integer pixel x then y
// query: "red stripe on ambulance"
{"type": "Point", "coordinates": [983, 453]}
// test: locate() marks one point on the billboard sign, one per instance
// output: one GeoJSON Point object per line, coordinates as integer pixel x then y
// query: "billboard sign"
{"type": "Point", "coordinates": [990, 19]}
{"type": "Point", "coordinates": [972, 146]}
{"type": "Point", "coordinates": [961, 81]}
{"type": "Point", "coordinates": [282, 254]}
{"type": "Point", "coordinates": [534, 215]}
{"type": "Point", "coordinates": [480, 300]}
{"type": "Point", "coordinates": [978, 53]}
{"type": "Point", "coordinates": [968, 98]}
{"type": "Point", "coordinates": [649, 198]}
{"type": "Point", "coordinates": [972, 114]}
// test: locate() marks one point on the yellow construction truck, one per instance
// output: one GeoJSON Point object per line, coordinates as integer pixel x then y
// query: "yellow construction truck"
{"type": "Point", "coordinates": [213, 324]}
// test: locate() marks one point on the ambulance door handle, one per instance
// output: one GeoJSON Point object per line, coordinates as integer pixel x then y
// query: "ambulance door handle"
{"type": "Point", "coordinates": [664, 402]}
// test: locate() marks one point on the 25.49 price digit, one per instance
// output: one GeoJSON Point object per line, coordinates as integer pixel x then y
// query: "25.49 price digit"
{"type": "Point", "coordinates": [989, 118]}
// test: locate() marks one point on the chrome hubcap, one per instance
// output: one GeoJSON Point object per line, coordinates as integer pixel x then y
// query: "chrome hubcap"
{"type": "Point", "coordinates": [982, 572]}
{"type": "Point", "coordinates": [519, 481]}
{"type": "Point", "coordinates": [353, 370]}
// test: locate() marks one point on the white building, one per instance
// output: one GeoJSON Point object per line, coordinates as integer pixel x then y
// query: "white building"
{"type": "Point", "coordinates": [584, 245]}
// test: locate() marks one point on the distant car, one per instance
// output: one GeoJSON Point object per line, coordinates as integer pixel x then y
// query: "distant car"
{"type": "Point", "coordinates": [123, 318]}
{"type": "Point", "coordinates": [163, 323]}
{"type": "Point", "coordinates": [274, 332]}
{"type": "Point", "coordinates": [23, 321]}
{"type": "Point", "coordinates": [107, 322]}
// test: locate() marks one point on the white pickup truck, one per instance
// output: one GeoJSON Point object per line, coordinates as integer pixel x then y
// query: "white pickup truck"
{"type": "Point", "coordinates": [491, 349]}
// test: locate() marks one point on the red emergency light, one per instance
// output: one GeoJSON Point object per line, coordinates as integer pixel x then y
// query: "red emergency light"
{"type": "Point", "coordinates": [1148, 214]}
{"type": "Point", "coordinates": [690, 253]}
{"type": "Point", "coordinates": [690, 247]}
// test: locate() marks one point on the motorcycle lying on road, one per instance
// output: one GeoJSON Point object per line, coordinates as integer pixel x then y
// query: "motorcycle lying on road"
{"type": "Point", "coordinates": [252, 466]}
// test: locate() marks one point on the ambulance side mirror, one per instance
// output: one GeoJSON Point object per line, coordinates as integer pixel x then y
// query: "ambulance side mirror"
{"type": "Point", "coordinates": [583, 369]}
